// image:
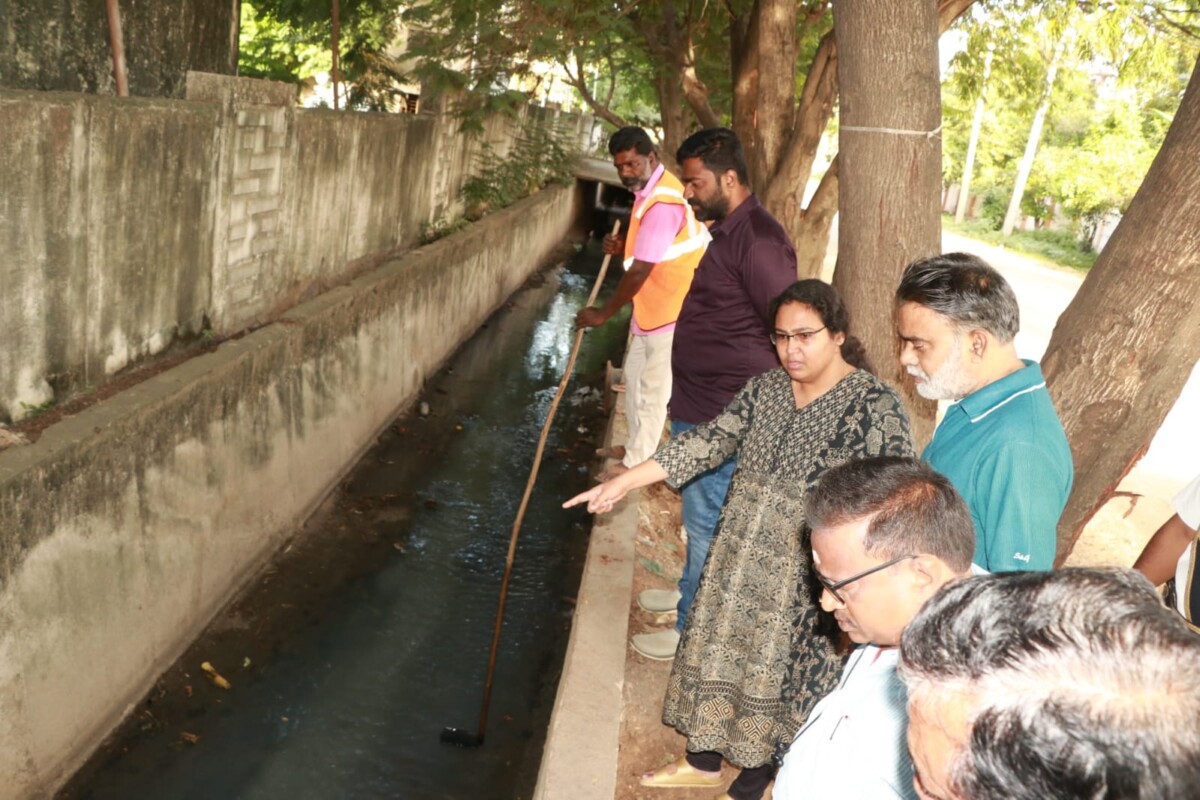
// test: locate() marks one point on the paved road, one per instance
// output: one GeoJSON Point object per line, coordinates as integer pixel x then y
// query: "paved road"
{"type": "Point", "coordinates": [1043, 291]}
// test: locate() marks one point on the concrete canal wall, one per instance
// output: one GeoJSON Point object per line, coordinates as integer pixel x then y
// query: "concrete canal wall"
{"type": "Point", "coordinates": [64, 45]}
{"type": "Point", "coordinates": [127, 526]}
{"type": "Point", "coordinates": [129, 224]}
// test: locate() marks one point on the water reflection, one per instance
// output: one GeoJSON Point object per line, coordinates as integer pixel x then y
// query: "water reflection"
{"type": "Point", "coordinates": [352, 704]}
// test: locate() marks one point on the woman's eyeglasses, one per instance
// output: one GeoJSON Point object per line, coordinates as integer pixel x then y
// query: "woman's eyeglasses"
{"type": "Point", "coordinates": [803, 337]}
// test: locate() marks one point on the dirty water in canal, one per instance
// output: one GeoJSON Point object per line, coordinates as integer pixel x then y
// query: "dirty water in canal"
{"type": "Point", "coordinates": [369, 633]}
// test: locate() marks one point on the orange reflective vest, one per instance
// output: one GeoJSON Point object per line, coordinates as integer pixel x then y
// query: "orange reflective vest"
{"type": "Point", "coordinates": [659, 299]}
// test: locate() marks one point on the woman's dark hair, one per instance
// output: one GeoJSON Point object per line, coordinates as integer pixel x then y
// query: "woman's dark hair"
{"type": "Point", "coordinates": [824, 299]}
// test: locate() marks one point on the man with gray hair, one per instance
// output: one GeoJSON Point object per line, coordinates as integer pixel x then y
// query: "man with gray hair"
{"type": "Point", "coordinates": [887, 533]}
{"type": "Point", "coordinates": [1001, 442]}
{"type": "Point", "coordinates": [1052, 686]}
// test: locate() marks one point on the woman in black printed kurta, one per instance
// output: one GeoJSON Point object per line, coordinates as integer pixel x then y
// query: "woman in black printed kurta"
{"type": "Point", "coordinates": [754, 656]}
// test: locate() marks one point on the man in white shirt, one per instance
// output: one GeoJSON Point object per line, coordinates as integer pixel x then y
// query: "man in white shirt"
{"type": "Point", "coordinates": [887, 533]}
{"type": "Point", "coordinates": [1171, 554]}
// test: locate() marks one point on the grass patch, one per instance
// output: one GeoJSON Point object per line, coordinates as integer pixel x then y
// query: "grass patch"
{"type": "Point", "coordinates": [1058, 247]}
{"type": "Point", "coordinates": [35, 411]}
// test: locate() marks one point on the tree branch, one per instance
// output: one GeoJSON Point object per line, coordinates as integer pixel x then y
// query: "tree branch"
{"type": "Point", "coordinates": [612, 79]}
{"type": "Point", "coordinates": [599, 109]}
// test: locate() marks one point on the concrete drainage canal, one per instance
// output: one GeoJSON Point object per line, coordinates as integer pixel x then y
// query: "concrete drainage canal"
{"type": "Point", "coordinates": [370, 632]}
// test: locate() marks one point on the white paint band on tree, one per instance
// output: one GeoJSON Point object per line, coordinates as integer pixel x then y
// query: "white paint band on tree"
{"type": "Point", "coordinates": [897, 131]}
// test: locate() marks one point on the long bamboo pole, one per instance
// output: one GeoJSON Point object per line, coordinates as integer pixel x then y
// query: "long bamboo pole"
{"type": "Point", "coordinates": [117, 40]}
{"type": "Point", "coordinates": [336, 73]}
{"type": "Point", "coordinates": [459, 736]}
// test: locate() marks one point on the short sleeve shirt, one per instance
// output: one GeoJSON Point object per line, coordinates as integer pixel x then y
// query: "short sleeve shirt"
{"type": "Point", "coordinates": [1187, 581]}
{"type": "Point", "coordinates": [1004, 449]}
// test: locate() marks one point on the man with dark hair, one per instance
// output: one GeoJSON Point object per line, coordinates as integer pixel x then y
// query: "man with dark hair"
{"type": "Point", "coordinates": [1059, 685]}
{"type": "Point", "coordinates": [722, 338]}
{"type": "Point", "coordinates": [1001, 442]}
{"type": "Point", "coordinates": [661, 248]}
{"type": "Point", "coordinates": [887, 534]}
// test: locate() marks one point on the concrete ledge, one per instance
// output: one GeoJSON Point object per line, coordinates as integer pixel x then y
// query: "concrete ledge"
{"type": "Point", "coordinates": [126, 527]}
{"type": "Point", "coordinates": [580, 759]}
{"type": "Point", "coordinates": [582, 743]}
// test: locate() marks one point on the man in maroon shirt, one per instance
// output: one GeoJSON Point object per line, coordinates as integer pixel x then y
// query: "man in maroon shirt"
{"type": "Point", "coordinates": [722, 335]}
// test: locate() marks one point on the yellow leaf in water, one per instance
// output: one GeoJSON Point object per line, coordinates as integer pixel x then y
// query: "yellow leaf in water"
{"type": "Point", "coordinates": [215, 676]}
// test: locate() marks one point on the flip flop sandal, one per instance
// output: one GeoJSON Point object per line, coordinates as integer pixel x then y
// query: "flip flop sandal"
{"type": "Point", "coordinates": [679, 773]}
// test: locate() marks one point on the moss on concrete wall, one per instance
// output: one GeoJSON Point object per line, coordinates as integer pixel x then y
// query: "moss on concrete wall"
{"type": "Point", "coordinates": [126, 223]}
{"type": "Point", "coordinates": [126, 527]}
{"type": "Point", "coordinates": [63, 45]}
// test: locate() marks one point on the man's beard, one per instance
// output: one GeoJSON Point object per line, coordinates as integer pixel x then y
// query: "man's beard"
{"type": "Point", "coordinates": [949, 382]}
{"type": "Point", "coordinates": [638, 182]}
{"type": "Point", "coordinates": [715, 209]}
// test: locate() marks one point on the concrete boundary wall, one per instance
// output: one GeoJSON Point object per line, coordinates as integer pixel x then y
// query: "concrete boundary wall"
{"type": "Point", "coordinates": [125, 528]}
{"type": "Point", "coordinates": [64, 45]}
{"type": "Point", "coordinates": [128, 224]}
{"type": "Point", "coordinates": [106, 216]}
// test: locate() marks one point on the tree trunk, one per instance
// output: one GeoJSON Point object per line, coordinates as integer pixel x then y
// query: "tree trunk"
{"type": "Point", "coordinates": [674, 112]}
{"type": "Point", "coordinates": [743, 61]}
{"type": "Point", "coordinates": [697, 93]}
{"type": "Point", "coordinates": [776, 85]}
{"type": "Point", "coordinates": [1025, 166]}
{"type": "Point", "coordinates": [892, 159]}
{"type": "Point", "coordinates": [817, 222]}
{"type": "Point", "coordinates": [783, 193]}
{"type": "Point", "coordinates": [1123, 349]}
{"type": "Point", "coordinates": [964, 190]}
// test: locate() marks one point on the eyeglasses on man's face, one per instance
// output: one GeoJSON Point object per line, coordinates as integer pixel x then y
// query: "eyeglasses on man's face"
{"type": "Point", "coordinates": [803, 337]}
{"type": "Point", "coordinates": [832, 587]}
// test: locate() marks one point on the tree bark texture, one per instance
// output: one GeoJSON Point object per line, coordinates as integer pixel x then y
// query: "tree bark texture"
{"type": "Point", "coordinates": [674, 112]}
{"type": "Point", "coordinates": [817, 222]}
{"type": "Point", "coordinates": [783, 192]}
{"type": "Point", "coordinates": [776, 43]}
{"type": "Point", "coordinates": [697, 93]}
{"type": "Point", "coordinates": [743, 62]}
{"type": "Point", "coordinates": [1122, 351]}
{"type": "Point", "coordinates": [891, 169]}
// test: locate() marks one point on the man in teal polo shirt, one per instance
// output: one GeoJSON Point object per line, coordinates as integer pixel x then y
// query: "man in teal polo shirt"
{"type": "Point", "coordinates": [1001, 443]}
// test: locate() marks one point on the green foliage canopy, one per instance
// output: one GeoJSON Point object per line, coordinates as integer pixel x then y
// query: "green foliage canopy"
{"type": "Point", "coordinates": [1111, 105]}
{"type": "Point", "coordinates": [290, 40]}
